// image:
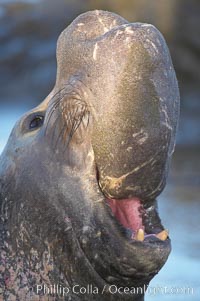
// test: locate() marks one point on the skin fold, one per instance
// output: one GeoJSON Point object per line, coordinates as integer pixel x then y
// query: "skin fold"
{"type": "Point", "coordinates": [105, 132]}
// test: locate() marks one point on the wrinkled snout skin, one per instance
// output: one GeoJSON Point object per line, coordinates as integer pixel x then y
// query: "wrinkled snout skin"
{"type": "Point", "coordinates": [106, 131]}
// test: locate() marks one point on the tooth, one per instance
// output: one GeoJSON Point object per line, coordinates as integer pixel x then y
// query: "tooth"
{"type": "Point", "coordinates": [163, 235]}
{"type": "Point", "coordinates": [139, 235]}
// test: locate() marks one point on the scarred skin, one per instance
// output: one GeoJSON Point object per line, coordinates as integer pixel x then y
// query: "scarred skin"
{"type": "Point", "coordinates": [106, 130]}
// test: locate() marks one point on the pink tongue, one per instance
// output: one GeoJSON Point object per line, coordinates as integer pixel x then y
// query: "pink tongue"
{"type": "Point", "coordinates": [127, 212]}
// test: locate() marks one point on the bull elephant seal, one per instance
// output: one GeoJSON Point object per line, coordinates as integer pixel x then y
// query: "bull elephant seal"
{"type": "Point", "coordinates": [80, 173]}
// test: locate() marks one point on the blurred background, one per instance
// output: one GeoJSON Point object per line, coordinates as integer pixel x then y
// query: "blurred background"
{"type": "Point", "coordinates": [28, 34]}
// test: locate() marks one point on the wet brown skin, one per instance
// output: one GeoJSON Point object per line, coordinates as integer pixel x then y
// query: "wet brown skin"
{"type": "Point", "coordinates": [106, 130]}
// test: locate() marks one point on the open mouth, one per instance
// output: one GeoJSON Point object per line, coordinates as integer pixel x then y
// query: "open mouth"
{"type": "Point", "coordinates": [138, 219]}
{"type": "Point", "coordinates": [140, 223]}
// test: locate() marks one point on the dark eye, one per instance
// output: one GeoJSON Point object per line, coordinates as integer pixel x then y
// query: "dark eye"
{"type": "Point", "coordinates": [36, 122]}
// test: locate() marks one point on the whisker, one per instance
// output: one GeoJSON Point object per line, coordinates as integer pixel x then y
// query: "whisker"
{"type": "Point", "coordinates": [60, 135]}
{"type": "Point", "coordinates": [50, 115]}
{"type": "Point", "coordinates": [73, 111]}
{"type": "Point", "coordinates": [53, 105]}
{"type": "Point", "coordinates": [55, 127]}
{"type": "Point", "coordinates": [55, 95]}
{"type": "Point", "coordinates": [76, 125]}
{"type": "Point", "coordinates": [88, 114]}
{"type": "Point", "coordinates": [74, 120]}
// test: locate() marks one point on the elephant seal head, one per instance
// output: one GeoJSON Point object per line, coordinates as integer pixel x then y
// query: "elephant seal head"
{"type": "Point", "coordinates": [81, 172]}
